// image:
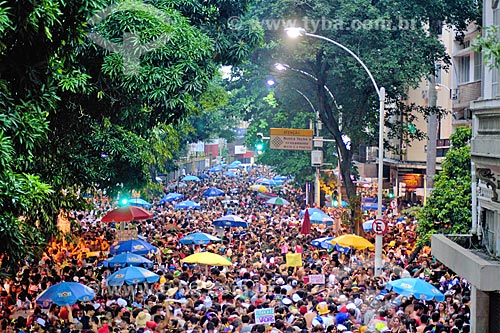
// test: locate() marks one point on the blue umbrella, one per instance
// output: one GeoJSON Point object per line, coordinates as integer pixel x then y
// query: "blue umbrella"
{"type": "Point", "coordinates": [215, 169]}
{"type": "Point", "coordinates": [415, 287]}
{"type": "Point", "coordinates": [230, 174]}
{"type": "Point", "coordinates": [204, 176]}
{"type": "Point", "coordinates": [136, 246]}
{"type": "Point", "coordinates": [65, 293]}
{"type": "Point", "coordinates": [191, 178]}
{"type": "Point", "coordinates": [131, 275]}
{"type": "Point", "coordinates": [323, 242]}
{"type": "Point", "coordinates": [367, 226]}
{"type": "Point", "coordinates": [187, 204]}
{"type": "Point", "coordinates": [231, 221]}
{"type": "Point", "coordinates": [198, 238]}
{"type": "Point", "coordinates": [171, 197]}
{"type": "Point", "coordinates": [125, 259]}
{"type": "Point", "coordinates": [213, 192]}
{"type": "Point", "coordinates": [236, 162]}
{"type": "Point", "coordinates": [266, 182]}
{"type": "Point", "coordinates": [279, 177]}
{"type": "Point", "coordinates": [320, 218]}
{"type": "Point", "coordinates": [140, 202]}
{"type": "Point", "coordinates": [371, 207]}
{"type": "Point", "coordinates": [311, 211]}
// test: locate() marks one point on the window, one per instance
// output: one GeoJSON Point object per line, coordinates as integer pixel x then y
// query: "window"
{"type": "Point", "coordinates": [464, 69]}
{"type": "Point", "coordinates": [477, 66]}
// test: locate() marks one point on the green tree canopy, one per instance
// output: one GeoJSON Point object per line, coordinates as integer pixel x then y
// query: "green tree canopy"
{"type": "Point", "coordinates": [448, 209]}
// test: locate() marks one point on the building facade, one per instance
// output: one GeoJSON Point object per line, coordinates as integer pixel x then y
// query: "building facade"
{"type": "Point", "coordinates": [475, 257]}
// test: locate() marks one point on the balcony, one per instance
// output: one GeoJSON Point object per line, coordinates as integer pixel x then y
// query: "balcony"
{"type": "Point", "coordinates": [459, 254]}
{"type": "Point", "coordinates": [485, 144]}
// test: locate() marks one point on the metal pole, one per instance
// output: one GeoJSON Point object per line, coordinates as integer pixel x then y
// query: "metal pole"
{"type": "Point", "coordinates": [317, 198]}
{"type": "Point", "coordinates": [432, 134]}
{"type": "Point", "coordinates": [379, 238]}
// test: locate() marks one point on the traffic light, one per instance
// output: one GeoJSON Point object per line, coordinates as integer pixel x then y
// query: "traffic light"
{"type": "Point", "coordinates": [124, 201]}
{"type": "Point", "coordinates": [335, 199]}
{"type": "Point", "coordinates": [391, 193]}
{"type": "Point", "coordinates": [259, 143]}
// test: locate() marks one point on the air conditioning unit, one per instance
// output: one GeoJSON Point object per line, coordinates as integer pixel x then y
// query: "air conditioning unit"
{"type": "Point", "coordinates": [454, 94]}
{"type": "Point", "coordinates": [316, 158]}
{"type": "Point", "coordinates": [467, 114]}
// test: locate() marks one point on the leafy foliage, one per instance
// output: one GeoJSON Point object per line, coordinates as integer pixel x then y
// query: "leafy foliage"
{"type": "Point", "coordinates": [99, 102]}
{"type": "Point", "coordinates": [448, 209]}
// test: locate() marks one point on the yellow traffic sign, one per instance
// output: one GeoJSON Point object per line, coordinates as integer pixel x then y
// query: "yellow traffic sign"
{"type": "Point", "coordinates": [291, 139]}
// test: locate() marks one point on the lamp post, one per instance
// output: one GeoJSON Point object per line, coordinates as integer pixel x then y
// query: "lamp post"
{"type": "Point", "coordinates": [317, 193]}
{"type": "Point", "coordinates": [296, 32]}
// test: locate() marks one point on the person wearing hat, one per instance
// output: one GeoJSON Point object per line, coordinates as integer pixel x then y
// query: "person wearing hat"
{"type": "Point", "coordinates": [323, 317]}
{"type": "Point", "coordinates": [141, 319]}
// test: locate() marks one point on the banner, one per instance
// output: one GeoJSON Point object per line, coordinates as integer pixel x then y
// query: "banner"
{"type": "Point", "coordinates": [264, 316]}
{"type": "Point", "coordinates": [316, 278]}
{"type": "Point", "coordinates": [294, 259]}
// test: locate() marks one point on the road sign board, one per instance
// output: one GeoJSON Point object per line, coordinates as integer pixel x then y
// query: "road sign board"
{"type": "Point", "coordinates": [291, 139]}
{"type": "Point", "coordinates": [379, 227]}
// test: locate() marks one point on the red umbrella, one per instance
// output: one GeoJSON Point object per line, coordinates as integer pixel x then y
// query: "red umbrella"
{"type": "Point", "coordinates": [126, 214]}
{"type": "Point", "coordinates": [305, 229]}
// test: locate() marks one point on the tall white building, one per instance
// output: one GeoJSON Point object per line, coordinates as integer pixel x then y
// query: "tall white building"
{"type": "Point", "coordinates": [478, 261]}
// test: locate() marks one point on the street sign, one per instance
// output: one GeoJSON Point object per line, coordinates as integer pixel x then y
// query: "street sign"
{"type": "Point", "coordinates": [379, 227]}
{"type": "Point", "coordinates": [291, 139]}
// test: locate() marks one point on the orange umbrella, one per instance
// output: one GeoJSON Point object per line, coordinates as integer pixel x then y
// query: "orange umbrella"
{"type": "Point", "coordinates": [126, 214]}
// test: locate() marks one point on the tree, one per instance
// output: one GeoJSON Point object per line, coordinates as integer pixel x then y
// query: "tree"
{"type": "Point", "coordinates": [83, 113]}
{"type": "Point", "coordinates": [448, 209]}
{"type": "Point", "coordinates": [392, 40]}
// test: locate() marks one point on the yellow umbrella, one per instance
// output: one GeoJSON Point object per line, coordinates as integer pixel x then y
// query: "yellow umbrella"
{"type": "Point", "coordinates": [207, 258]}
{"type": "Point", "coordinates": [354, 241]}
{"type": "Point", "coordinates": [259, 188]}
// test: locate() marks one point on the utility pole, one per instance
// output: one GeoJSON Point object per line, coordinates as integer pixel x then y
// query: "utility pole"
{"type": "Point", "coordinates": [432, 136]}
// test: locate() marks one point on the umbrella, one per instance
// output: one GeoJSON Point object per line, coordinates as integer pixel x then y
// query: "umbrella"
{"type": "Point", "coordinates": [278, 201]}
{"type": "Point", "coordinates": [367, 226]}
{"type": "Point", "coordinates": [190, 178]}
{"type": "Point", "coordinates": [311, 211]}
{"type": "Point", "coordinates": [126, 214]}
{"type": "Point", "coordinates": [230, 221]}
{"type": "Point", "coordinates": [65, 293]}
{"type": "Point", "coordinates": [230, 174]}
{"type": "Point", "coordinates": [187, 204]}
{"type": "Point", "coordinates": [171, 197]}
{"type": "Point", "coordinates": [320, 218]}
{"type": "Point", "coordinates": [127, 258]}
{"type": "Point", "coordinates": [279, 177]}
{"type": "Point", "coordinates": [136, 246]}
{"type": "Point", "coordinates": [131, 276]}
{"type": "Point", "coordinates": [213, 192]}
{"type": "Point", "coordinates": [204, 176]}
{"type": "Point", "coordinates": [305, 229]}
{"type": "Point", "coordinates": [140, 202]}
{"type": "Point", "coordinates": [266, 195]}
{"type": "Point", "coordinates": [353, 241]}
{"type": "Point", "coordinates": [198, 238]}
{"type": "Point", "coordinates": [215, 169]}
{"type": "Point", "coordinates": [266, 182]}
{"type": "Point", "coordinates": [258, 188]}
{"type": "Point", "coordinates": [415, 287]}
{"type": "Point", "coordinates": [323, 242]}
{"type": "Point", "coordinates": [207, 258]}
{"type": "Point", "coordinates": [236, 162]}
{"type": "Point", "coordinates": [371, 207]}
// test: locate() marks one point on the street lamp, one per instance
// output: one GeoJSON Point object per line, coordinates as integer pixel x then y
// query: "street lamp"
{"type": "Point", "coordinates": [295, 32]}
{"type": "Point", "coordinates": [283, 67]}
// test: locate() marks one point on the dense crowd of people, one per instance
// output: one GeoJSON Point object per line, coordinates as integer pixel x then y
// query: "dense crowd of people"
{"type": "Point", "coordinates": [196, 298]}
